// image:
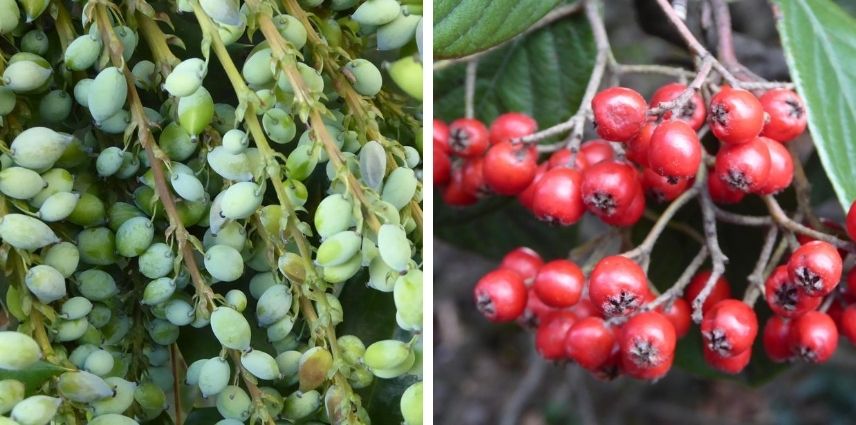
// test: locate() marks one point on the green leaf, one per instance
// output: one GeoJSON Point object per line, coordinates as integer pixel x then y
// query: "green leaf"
{"type": "Point", "coordinates": [819, 39]}
{"type": "Point", "coordinates": [543, 74]}
{"type": "Point", "coordinates": [464, 27]}
{"type": "Point", "coordinates": [34, 376]}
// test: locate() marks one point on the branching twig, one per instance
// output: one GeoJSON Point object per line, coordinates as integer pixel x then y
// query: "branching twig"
{"type": "Point", "coordinates": [686, 95]}
{"type": "Point", "coordinates": [717, 257]}
{"type": "Point", "coordinates": [779, 216]}
{"type": "Point", "coordinates": [740, 219]}
{"type": "Point", "coordinates": [757, 277]}
{"type": "Point", "coordinates": [686, 277]}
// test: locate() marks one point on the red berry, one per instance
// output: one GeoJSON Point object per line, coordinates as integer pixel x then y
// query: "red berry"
{"type": "Point", "coordinates": [629, 216]}
{"type": "Point", "coordinates": [441, 135]}
{"type": "Point", "coordinates": [744, 166]}
{"type": "Point", "coordinates": [527, 196]}
{"type": "Point", "coordinates": [814, 337]}
{"type": "Point", "coordinates": [562, 158]}
{"type": "Point", "coordinates": [731, 365]}
{"type": "Point", "coordinates": [557, 197]}
{"type": "Point", "coordinates": [637, 147]}
{"type": "Point", "coordinates": [473, 179]}
{"type": "Point", "coordinates": [525, 261]}
{"type": "Point", "coordinates": [693, 112]}
{"type": "Point", "coordinates": [660, 188]}
{"type": "Point", "coordinates": [721, 290]}
{"type": "Point", "coordinates": [781, 168]}
{"type": "Point", "coordinates": [776, 339]}
{"type": "Point", "coordinates": [785, 297]}
{"type": "Point", "coordinates": [595, 151]}
{"type": "Point", "coordinates": [851, 221]}
{"type": "Point", "coordinates": [590, 343]}
{"type": "Point", "coordinates": [848, 323]}
{"type": "Point", "coordinates": [720, 192]}
{"type": "Point", "coordinates": [511, 125]}
{"type": "Point", "coordinates": [815, 267]}
{"type": "Point", "coordinates": [674, 150]}
{"type": "Point", "coordinates": [617, 286]}
{"type": "Point", "coordinates": [500, 295]}
{"type": "Point", "coordinates": [609, 187]}
{"type": "Point", "coordinates": [736, 116]}
{"type": "Point", "coordinates": [456, 193]}
{"type": "Point", "coordinates": [584, 308]}
{"type": "Point", "coordinates": [729, 328]}
{"type": "Point", "coordinates": [647, 345]}
{"type": "Point", "coordinates": [787, 114]}
{"type": "Point", "coordinates": [468, 137]}
{"type": "Point", "coordinates": [619, 113]}
{"type": "Point", "coordinates": [559, 283]}
{"type": "Point", "coordinates": [442, 166]}
{"type": "Point", "coordinates": [534, 312]}
{"type": "Point", "coordinates": [509, 168]}
{"type": "Point", "coordinates": [678, 312]}
{"type": "Point", "coordinates": [551, 333]}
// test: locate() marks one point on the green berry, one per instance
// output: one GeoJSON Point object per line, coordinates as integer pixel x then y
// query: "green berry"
{"type": "Point", "coordinates": [25, 354]}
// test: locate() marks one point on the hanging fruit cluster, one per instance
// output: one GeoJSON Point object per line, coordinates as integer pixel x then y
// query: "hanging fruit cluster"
{"type": "Point", "coordinates": [221, 189]}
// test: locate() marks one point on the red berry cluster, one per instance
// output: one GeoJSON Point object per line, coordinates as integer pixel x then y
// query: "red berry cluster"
{"type": "Point", "coordinates": [642, 150]}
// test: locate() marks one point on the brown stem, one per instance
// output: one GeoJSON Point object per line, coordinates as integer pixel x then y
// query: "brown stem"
{"type": "Point", "coordinates": [717, 257]}
{"type": "Point", "coordinates": [740, 219]}
{"type": "Point", "coordinates": [684, 97]}
{"type": "Point", "coordinates": [778, 215]}
{"type": "Point", "coordinates": [756, 278]}
{"type": "Point", "coordinates": [725, 39]}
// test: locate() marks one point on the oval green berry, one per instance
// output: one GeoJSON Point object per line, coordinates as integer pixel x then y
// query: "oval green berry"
{"type": "Point", "coordinates": [83, 387]}
{"type": "Point", "coordinates": [230, 328]}
{"type": "Point", "coordinates": [20, 183]}
{"type": "Point", "coordinates": [58, 206]}
{"type": "Point", "coordinates": [38, 148]}
{"type": "Point", "coordinates": [46, 283]}
{"type": "Point", "coordinates": [214, 376]}
{"type": "Point", "coordinates": [134, 237]}
{"type": "Point", "coordinates": [25, 232]}
{"type": "Point", "coordinates": [25, 354]}
{"type": "Point", "coordinates": [35, 410]}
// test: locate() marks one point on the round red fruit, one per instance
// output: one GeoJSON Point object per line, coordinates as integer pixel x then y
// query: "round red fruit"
{"type": "Point", "coordinates": [442, 166]}
{"type": "Point", "coordinates": [647, 346]}
{"type": "Point", "coordinates": [619, 113]}
{"type": "Point", "coordinates": [468, 137]}
{"type": "Point", "coordinates": [500, 295]}
{"type": "Point", "coordinates": [784, 296]}
{"type": "Point", "coordinates": [637, 147]}
{"type": "Point", "coordinates": [744, 166]}
{"type": "Point", "coordinates": [534, 312]}
{"type": "Point", "coordinates": [525, 261]}
{"type": "Point", "coordinates": [441, 135]}
{"type": "Point", "coordinates": [729, 328]}
{"type": "Point", "coordinates": [678, 312]}
{"type": "Point", "coordinates": [787, 114]}
{"type": "Point", "coordinates": [596, 151]}
{"type": "Point", "coordinates": [609, 187]}
{"type": "Point", "coordinates": [692, 112]}
{"type": "Point", "coordinates": [720, 192]}
{"type": "Point", "coordinates": [731, 365]}
{"type": "Point", "coordinates": [661, 188]}
{"type": "Point", "coordinates": [456, 193]}
{"type": "Point", "coordinates": [776, 339]}
{"type": "Point", "coordinates": [557, 198]}
{"type": "Point", "coordinates": [551, 334]}
{"type": "Point", "coordinates": [562, 158]}
{"type": "Point", "coordinates": [721, 290]}
{"type": "Point", "coordinates": [736, 116]}
{"type": "Point", "coordinates": [511, 125]}
{"type": "Point", "coordinates": [629, 216]}
{"type": "Point", "coordinates": [473, 178]}
{"type": "Point", "coordinates": [509, 168]}
{"type": "Point", "coordinates": [674, 150]}
{"type": "Point", "coordinates": [527, 196]}
{"type": "Point", "coordinates": [559, 283]}
{"type": "Point", "coordinates": [781, 168]}
{"type": "Point", "coordinates": [815, 267]}
{"type": "Point", "coordinates": [813, 337]}
{"type": "Point", "coordinates": [617, 286]}
{"type": "Point", "coordinates": [590, 342]}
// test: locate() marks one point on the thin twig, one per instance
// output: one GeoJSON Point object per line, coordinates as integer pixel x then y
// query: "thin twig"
{"type": "Point", "coordinates": [756, 278]}
{"type": "Point", "coordinates": [778, 215]}
{"type": "Point", "coordinates": [470, 87]}
{"type": "Point", "coordinates": [686, 277]}
{"type": "Point", "coordinates": [717, 257]}
{"type": "Point", "coordinates": [670, 71]}
{"type": "Point", "coordinates": [687, 94]}
{"type": "Point", "coordinates": [740, 219]}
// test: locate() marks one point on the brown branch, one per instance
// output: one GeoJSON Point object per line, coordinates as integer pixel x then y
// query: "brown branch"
{"type": "Point", "coordinates": [687, 94]}
{"type": "Point", "coordinates": [740, 219]}
{"type": "Point", "coordinates": [778, 215]}
{"type": "Point", "coordinates": [718, 259]}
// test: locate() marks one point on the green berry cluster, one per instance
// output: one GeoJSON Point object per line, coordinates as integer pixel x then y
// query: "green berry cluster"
{"type": "Point", "coordinates": [188, 188]}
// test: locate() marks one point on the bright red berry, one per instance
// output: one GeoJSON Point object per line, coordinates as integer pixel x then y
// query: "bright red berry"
{"type": "Point", "coordinates": [731, 365]}
{"type": "Point", "coordinates": [787, 113]}
{"type": "Point", "coordinates": [781, 168]}
{"type": "Point", "coordinates": [619, 113]}
{"type": "Point", "coordinates": [736, 116]}
{"type": "Point", "coordinates": [729, 328]}
{"type": "Point", "coordinates": [693, 112]}
{"type": "Point", "coordinates": [509, 168]}
{"type": "Point", "coordinates": [629, 216]}
{"type": "Point", "coordinates": [744, 166]}
{"type": "Point", "coordinates": [815, 267]}
{"type": "Point", "coordinates": [720, 192]}
{"type": "Point", "coordinates": [647, 345]}
{"type": "Point", "coordinates": [562, 158]}
{"type": "Point", "coordinates": [473, 177]}
{"type": "Point", "coordinates": [500, 295]}
{"type": "Point", "coordinates": [584, 308]}
{"type": "Point", "coordinates": [456, 193]}
{"type": "Point", "coordinates": [776, 339]}
{"type": "Point", "coordinates": [721, 290]}
{"type": "Point", "coordinates": [534, 312]}
{"type": "Point", "coordinates": [814, 337]}
{"type": "Point", "coordinates": [617, 286]}
{"type": "Point", "coordinates": [784, 296]}
{"type": "Point", "coordinates": [609, 187]}
{"type": "Point", "coordinates": [441, 135]}
{"type": "Point", "coordinates": [596, 151]}
{"type": "Point", "coordinates": [674, 150]}
{"type": "Point", "coordinates": [525, 261]}
{"type": "Point", "coordinates": [557, 197]}
{"type": "Point", "coordinates": [660, 187]}
{"type": "Point", "coordinates": [637, 147]}
{"type": "Point", "coordinates": [511, 125]}
{"type": "Point", "coordinates": [442, 166]}
{"type": "Point", "coordinates": [590, 342]}
{"type": "Point", "coordinates": [847, 323]}
{"type": "Point", "coordinates": [678, 312]}
{"type": "Point", "coordinates": [468, 137]}
{"type": "Point", "coordinates": [851, 221]}
{"type": "Point", "coordinates": [527, 196]}
{"type": "Point", "coordinates": [559, 283]}
{"type": "Point", "coordinates": [551, 334]}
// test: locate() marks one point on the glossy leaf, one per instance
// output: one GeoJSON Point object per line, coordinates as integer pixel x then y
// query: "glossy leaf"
{"type": "Point", "coordinates": [34, 376]}
{"type": "Point", "coordinates": [819, 40]}
{"type": "Point", "coordinates": [465, 27]}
